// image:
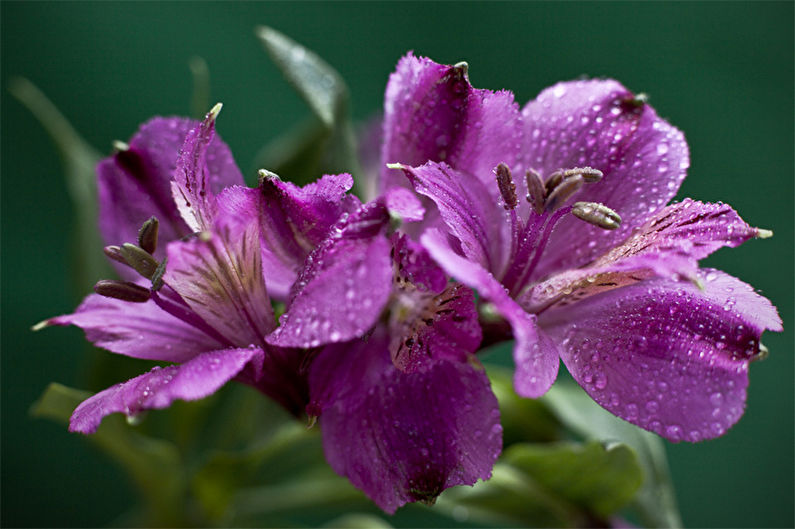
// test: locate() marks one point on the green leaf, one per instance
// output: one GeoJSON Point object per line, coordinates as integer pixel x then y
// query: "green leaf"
{"type": "Point", "coordinates": [200, 99]}
{"type": "Point", "coordinates": [357, 521]}
{"type": "Point", "coordinates": [523, 420]}
{"type": "Point", "coordinates": [153, 464]}
{"type": "Point", "coordinates": [79, 160]}
{"type": "Point", "coordinates": [599, 479]}
{"type": "Point", "coordinates": [329, 146]}
{"type": "Point", "coordinates": [656, 500]}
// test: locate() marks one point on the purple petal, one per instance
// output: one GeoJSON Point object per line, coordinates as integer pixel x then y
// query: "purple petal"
{"type": "Point", "coordinates": [667, 245]}
{"type": "Point", "coordinates": [469, 211]}
{"type": "Point", "coordinates": [405, 204]}
{"type": "Point", "coordinates": [665, 355]}
{"type": "Point", "coordinates": [406, 437]}
{"type": "Point", "coordinates": [195, 379]}
{"type": "Point", "coordinates": [139, 330]}
{"type": "Point", "coordinates": [283, 378]}
{"type": "Point", "coordinates": [292, 221]}
{"type": "Point", "coordinates": [595, 123]}
{"type": "Point", "coordinates": [201, 173]}
{"type": "Point", "coordinates": [535, 356]}
{"type": "Point", "coordinates": [432, 113]}
{"type": "Point", "coordinates": [219, 275]}
{"type": "Point", "coordinates": [344, 286]}
{"type": "Point", "coordinates": [134, 184]}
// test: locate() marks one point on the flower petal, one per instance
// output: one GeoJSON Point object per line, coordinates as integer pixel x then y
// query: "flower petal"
{"type": "Point", "coordinates": [535, 356]}
{"type": "Point", "coordinates": [668, 245]}
{"type": "Point", "coordinates": [201, 173]}
{"type": "Point", "coordinates": [598, 124]}
{"type": "Point", "coordinates": [665, 355]}
{"type": "Point", "coordinates": [134, 184]}
{"type": "Point", "coordinates": [432, 113]}
{"type": "Point", "coordinates": [219, 275]}
{"type": "Point", "coordinates": [403, 437]}
{"type": "Point", "coordinates": [139, 330]}
{"type": "Point", "coordinates": [469, 211]}
{"type": "Point", "coordinates": [195, 379]}
{"type": "Point", "coordinates": [344, 286]}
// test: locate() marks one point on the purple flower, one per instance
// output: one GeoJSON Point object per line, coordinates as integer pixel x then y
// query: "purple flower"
{"type": "Point", "coordinates": [556, 215]}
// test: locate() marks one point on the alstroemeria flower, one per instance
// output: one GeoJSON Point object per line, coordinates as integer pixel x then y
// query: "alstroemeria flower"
{"type": "Point", "coordinates": [591, 267]}
{"type": "Point", "coordinates": [201, 304]}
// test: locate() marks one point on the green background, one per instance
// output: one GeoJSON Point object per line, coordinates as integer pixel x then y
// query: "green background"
{"type": "Point", "coordinates": [721, 72]}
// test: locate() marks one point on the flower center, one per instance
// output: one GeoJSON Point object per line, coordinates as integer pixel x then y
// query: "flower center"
{"type": "Point", "coordinates": [547, 199]}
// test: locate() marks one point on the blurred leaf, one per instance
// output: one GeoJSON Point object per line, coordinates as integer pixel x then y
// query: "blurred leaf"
{"type": "Point", "coordinates": [287, 454]}
{"type": "Point", "coordinates": [79, 160]}
{"type": "Point", "coordinates": [656, 500]}
{"type": "Point", "coordinates": [358, 521]}
{"type": "Point", "coordinates": [551, 485]}
{"type": "Point", "coordinates": [200, 99]}
{"type": "Point", "coordinates": [600, 479]}
{"type": "Point", "coordinates": [153, 464]}
{"type": "Point", "coordinates": [332, 140]}
{"type": "Point", "coordinates": [522, 419]}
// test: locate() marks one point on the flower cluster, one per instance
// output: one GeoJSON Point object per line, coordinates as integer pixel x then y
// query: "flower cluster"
{"type": "Point", "coordinates": [546, 225]}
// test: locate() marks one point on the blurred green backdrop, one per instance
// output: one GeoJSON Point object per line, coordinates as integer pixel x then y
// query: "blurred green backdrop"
{"type": "Point", "coordinates": [722, 72]}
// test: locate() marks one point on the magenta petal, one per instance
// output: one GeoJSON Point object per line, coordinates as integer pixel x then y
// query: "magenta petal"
{"type": "Point", "coordinates": [665, 355]}
{"type": "Point", "coordinates": [135, 184]}
{"type": "Point", "coordinates": [469, 210]}
{"type": "Point", "coordinates": [535, 356]}
{"type": "Point", "coordinates": [139, 330]}
{"type": "Point", "coordinates": [432, 113]}
{"type": "Point", "coordinates": [201, 173]}
{"type": "Point", "coordinates": [195, 379]}
{"type": "Point", "coordinates": [406, 437]}
{"type": "Point", "coordinates": [405, 204]}
{"type": "Point", "coordinates": [219, 275]}
{"type": "Point", "coordinates": [596, 123]}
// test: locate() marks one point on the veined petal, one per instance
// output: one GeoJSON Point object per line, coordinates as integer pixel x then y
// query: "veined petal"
{"type": "Point", "coordinates": [134, 183]}
{"type": "Point", "coordinates": [139, 330]}
{"type": "Point", "coordinates": [403, 437]}
{"type": "Point", "coordinates": [471, 213]}
{"type": "Point", "coordinates": [219, 275]}
{"type": "Point", "coordinates": [535, 356]}
{"type": "Point", "coordinates": [344, 286]}
{"type": "Point", "coordinates": [667, 245]}
{"type": "Point", "coordinates": [195, 379]}
{"type": "Point", "coordinates": [432, 113]}
{"type": "Point", "coordinates": [665, 355]}
{"type": "Point", "coordinates": [600, 124]}
{"type": "Point", "coordinates": [200, 173]}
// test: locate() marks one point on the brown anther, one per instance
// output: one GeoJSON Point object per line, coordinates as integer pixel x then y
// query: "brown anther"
{"type": "Point", "coordinates": [506, 185]}
{"type": "Point", "coordinates": [114, 252]}
{"type": "Point", "coordinates": [553, 181]}
{"type": "Point", "coordinates": [589, 174]}
{"type": "Point", "coordinates": [563, 191]}
{"type": "Point", "coordinates": [123, 290]}
{"type": "Point", "coordinates": [139, 259]}
{"type": "Point", "coordinates": [535, 190]}
{"type": "Point", "coordinates": [147, 235]}
{"type": "Point", "coordinates": [596, 214]}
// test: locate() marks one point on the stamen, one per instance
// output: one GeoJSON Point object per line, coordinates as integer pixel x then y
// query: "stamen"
{"type": "Point", "coordinates": [563, 191]}
{"type": "Point", "coordinates": [596, 214]}
{"type": "Point", "coordinates": [553, 181]}
{"type": "Point", "coordinates": [147, 235]}
{"type": "Point", "coordinates": [589, 174]}
{"type": "Point", "coordinates": [139, 259]}
{"type": "Point", "coordinates": [506, 185]}
{"type": "Point", "coordinates": [123, 290]}
{"type": "Point", "coordinates": [536, 192]}
{"type": "Point", "coordinates": [114, 252]}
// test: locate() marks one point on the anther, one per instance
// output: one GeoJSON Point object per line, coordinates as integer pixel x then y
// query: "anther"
{"type": "Point", "coordinates": [147, 235]}
{"type": "Point", "coordinates": [596, 214]}
{"type": "Point", "coordinates": [506, 185]}
{"type": "Point", "coordinates": [535, 190]}
{"type": "Point", "coordinates": [114, 252]}
{"type": "Point", "coordinates": [123, 290]}
{"type": "Point", "coordinates": [589, 174]}
{"type": "Point", "coordinates": [563, 191]}
{"type": "Point", "coordinates": [139, 259]}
